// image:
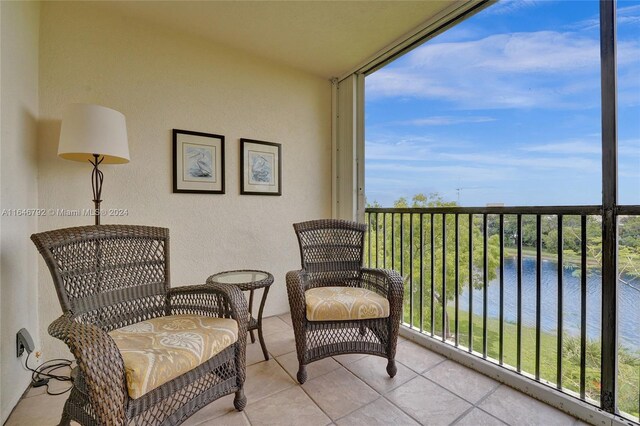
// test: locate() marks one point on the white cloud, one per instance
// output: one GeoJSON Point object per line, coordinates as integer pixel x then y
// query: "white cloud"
{"type": "Point", "coordinates": [532, 162]}
{"type": "Point", "coordinates": [543, 69]}
{"type": "Point", "coordinates": [504, 7]}
{"type": "Point", "coordinates": [572, 147]}
{"type": "Point", "coordinates": [628, 15]}
{"type": "Point", "coordinates": [447, 120]}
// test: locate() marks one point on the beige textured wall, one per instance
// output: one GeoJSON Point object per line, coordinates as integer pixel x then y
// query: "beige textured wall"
{"type": "Point", "coordinates": [18, 273]}
{"type": "Point", "coordinates": [162, 80]}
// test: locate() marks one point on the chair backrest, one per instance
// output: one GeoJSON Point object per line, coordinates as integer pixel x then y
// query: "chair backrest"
{"type": "Point", "coordinates": [331, 250]}
{"type": "Point", "coordinates": [108, 275]}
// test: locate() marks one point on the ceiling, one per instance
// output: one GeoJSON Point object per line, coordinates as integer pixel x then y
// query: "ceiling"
{"type": "Point", "coordinates": [325, 38]}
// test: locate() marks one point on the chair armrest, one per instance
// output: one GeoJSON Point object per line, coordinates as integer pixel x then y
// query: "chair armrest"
{"type": "Point", "coordinates": [296, 286]}
{"type": "Point", "coordinates": [221, 300]}
{"type": "Point", "coordinates": [101, 365]}
{"type": "Point", "coordinates": [387, 283]}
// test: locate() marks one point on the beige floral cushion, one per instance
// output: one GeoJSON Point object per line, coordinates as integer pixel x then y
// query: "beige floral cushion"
{"type": "Point", "coordinates": [344, 303]}
{"type": "Point", "coordinates": [159, 350]}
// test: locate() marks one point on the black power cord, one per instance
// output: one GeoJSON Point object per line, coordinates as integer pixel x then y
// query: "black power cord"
{"type": "Point", "coordinates": [41, 375]}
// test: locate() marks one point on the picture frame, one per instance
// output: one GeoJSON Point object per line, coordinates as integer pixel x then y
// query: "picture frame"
{"type": "Point", "coordinates": [198, 162]}
{"type": "Point", "coordinates": [260, 167]}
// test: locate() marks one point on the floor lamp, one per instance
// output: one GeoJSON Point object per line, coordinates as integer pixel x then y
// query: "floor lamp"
{"type": "Point", "coordinates": [95, 134]}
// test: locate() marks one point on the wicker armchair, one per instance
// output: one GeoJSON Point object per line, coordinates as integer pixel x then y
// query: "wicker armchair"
{"type": "Point", "coordinates": [113, 276]}
{"type": "Point", "coordinates": [332, 273]}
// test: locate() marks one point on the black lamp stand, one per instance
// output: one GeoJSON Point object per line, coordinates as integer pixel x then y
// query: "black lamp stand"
{"type": "Point", "coordinates": [96, 182]}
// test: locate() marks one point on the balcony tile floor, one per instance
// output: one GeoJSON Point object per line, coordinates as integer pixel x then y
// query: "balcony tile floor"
{"type": "Point", "coordinates": [347, 390]}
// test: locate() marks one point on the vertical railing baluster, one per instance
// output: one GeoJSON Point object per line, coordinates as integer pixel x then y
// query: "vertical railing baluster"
{"type": "Point", "coordinates": [444, 277]}
{"type": "Point", "coordinates": [538, 291]}
{"type": "Point", "coordinates": [369, 238]}
{"type": "Point", "coordinates": [377, 237]}
{"type": "Point", "coordinates": [433, 285]}
{"type": "Point", "coordinates": [470, 282]}
{"type": "Point", "coordinates": [384, 240]}
{"type": "Point", "coordinates": [501, 272]}
{"type": "Point", "coordinates": [485, 284]}
{"type": "Point", "coordinates": [401, 248]}
{"type": "Point", "coordinates": [457, 280]}
{"type": "Point", "coordinates": [519, 295]}
{"type": "Point", "coordinates": [560, 302]}
{"type": "Point", "coordinates": [393, 241]}
{"type": "Point", "coordinates": [583, 305]}
{"type": "Point", "coordinates": [411, 269]}
{"type": "Point", "coordinates": [421, 272]}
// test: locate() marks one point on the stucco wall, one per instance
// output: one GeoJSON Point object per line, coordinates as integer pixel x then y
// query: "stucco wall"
{"type": "Point", "coordinates": [162, 80]}
{"type": "Point", "coordinates": [18, 267]}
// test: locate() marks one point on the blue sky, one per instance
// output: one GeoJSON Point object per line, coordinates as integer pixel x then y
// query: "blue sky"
{"type": "Point", "coordinates": [505, 106]}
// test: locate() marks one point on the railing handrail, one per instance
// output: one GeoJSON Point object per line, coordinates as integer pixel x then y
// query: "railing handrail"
{"type": "Point", "coordinates": [525, 210]}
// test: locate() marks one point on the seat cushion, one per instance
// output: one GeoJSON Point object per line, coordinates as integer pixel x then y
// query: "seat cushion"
{"type": "Point", "coordinates": [157, 351]}
{"type": "Point", "coordinates": [344, 303]}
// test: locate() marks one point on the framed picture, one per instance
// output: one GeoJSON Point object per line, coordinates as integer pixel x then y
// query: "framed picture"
{"type": "Point", "coordinates": [198, 162]}
{"type": "Point", "coordinates": [260, 167]}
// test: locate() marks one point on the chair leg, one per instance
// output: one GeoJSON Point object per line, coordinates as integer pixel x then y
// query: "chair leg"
{"type": "Point", "coordinates": [302, 374]}
{"type": "Point", "coordinates": [240, 400]}
{"type": "Point", "coordinates": [391, 368]}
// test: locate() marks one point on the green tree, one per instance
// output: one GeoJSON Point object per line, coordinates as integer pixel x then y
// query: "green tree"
{"type": "Point", "coordinates": [404, 242]}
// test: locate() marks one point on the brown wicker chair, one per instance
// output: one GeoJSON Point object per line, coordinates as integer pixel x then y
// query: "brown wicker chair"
{"type": "Point", "coordinates": [332, 256]}
{"type": "Point", "coordinates": [112, 276]}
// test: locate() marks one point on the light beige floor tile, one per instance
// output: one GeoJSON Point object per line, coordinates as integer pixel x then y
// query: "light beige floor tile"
{"type": "Point", "coordinates": [353, 393]}
{"type": "Point", "coordinates": [213, 410]}
{"type": "Point", "coordinates": [41, 410]}
{"type": "Point", "coordinates": [290, 407]}
{"type": "Point", "coordinates": [290, 363]}
{"type": "Point", "coordinates": [55, 386]}
{"type": "Point", "coordinates": [286, 318]}
{"type": "Point", "coordinates": [379, 413]}
{"type": "Point", "coordinates": [280, 343]}
{"type": "Point", "coordinates": [264, 379]}
{"type": "Point", "coordinates": [348, 358]}
{"type": "Point", "coordinates": [428, 402]}
{"type": "Point", "coordinates": [416, 357]}
{"type": "Point", "coordinates": [516, 408]}
{"type": "Point", "coordinates": [254, 353]}
{"type": "Point", "coordinates": [461, 380]}
{"type": "Point", "coordinates": [477, 417]}
{"type": "Point", "coordinates": [235, 418]}
{"type": "Point", "coordinates": [373, 371]}
{"type": "Point", "coordinates": [272, 325]}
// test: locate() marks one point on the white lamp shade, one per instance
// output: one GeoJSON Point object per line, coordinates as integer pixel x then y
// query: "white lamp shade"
{"type": "Point", "coordinates": [93, 129]}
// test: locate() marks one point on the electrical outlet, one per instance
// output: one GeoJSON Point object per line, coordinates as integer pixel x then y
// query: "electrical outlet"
{"type": "Point", "coordinates": [19, 348]}
{"type": "Point", "coordinates": [23, 342]}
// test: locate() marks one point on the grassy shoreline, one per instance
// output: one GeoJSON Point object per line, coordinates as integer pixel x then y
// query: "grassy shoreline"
{"type": "Point", "coordinates": [571, 259]}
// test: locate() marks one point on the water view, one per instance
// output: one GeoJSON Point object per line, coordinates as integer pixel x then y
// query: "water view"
{"type": "Point", "coordinates": [628, 300]}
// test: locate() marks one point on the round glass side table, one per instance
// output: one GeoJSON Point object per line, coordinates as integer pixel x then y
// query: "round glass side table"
{"type": "Point", "coordinates": [249, 280]}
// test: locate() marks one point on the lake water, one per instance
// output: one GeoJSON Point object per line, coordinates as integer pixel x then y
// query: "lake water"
{"type": "Point", "coordinates": [628, 301]}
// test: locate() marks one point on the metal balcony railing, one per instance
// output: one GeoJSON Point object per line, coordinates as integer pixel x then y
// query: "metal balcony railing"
{"type": "Point", "coordinates": [457, 290]}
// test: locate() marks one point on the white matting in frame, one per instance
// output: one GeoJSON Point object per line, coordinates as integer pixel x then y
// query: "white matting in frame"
{"type": "Point", "coordinates": [198, 162]}
{"type": "Point", "coordinates": [261, 167]}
